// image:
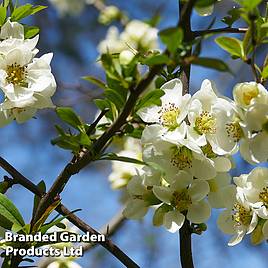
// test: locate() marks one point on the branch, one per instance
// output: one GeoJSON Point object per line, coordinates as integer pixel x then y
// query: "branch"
{"type": "Point", "coordinates": [109, 228]}
{"type": "Point", "coordinates": [108, 244]}
{"type": "Point", "coordinates": [220, 30]}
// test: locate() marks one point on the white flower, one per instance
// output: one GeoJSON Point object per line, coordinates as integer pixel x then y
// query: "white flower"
{"type": "Point", "coordinates": [172, 158]}
{"type": "Point", "coordinates": [140, 35]}
{"type": "Point", "coordinates": [136, 207]}
{"type": "Point", "coordinates": [185, 195]}
{"type": "Point", "coordinates": [238, 219]}
{"type": "Point", "coordinates": [255, 147]}
{"type": "Point", "coordinates": [12, 36]}
{"type": "Point", "coordinates": [108, 14]}
{"type": "Point", "coordinates": [68, 7]}
{"type": "Point", "coordinates": [137, 35]}
{"type": "Point", "coordinates": [219, 188]}
{"type": "Point", "coordinates": [171, 113]}
{"type": "Point", "coordinates": [255, 189]}
{"type": "Point", "coordinates": [249, 93]}
{"type": "Point", "coordinates": [214, 120]}
{"type": "Point", "coordinates": [112, 42]}
{"type": "Point", "coordinates": [27, 84]}
{"type": "Point", "coordinates": [122, 172]}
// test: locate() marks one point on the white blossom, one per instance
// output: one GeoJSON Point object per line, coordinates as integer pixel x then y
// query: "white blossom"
{"type": "Point", "coordinates": [185, 195]}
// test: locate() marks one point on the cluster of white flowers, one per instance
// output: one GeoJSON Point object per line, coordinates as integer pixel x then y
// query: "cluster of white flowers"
{"type": "Point", "coordinates": [70, 7]}
{"type": "Point", "coordinates": [137, 35]}
{"type": "Point", "coordinates": [26, 82]}
{"type": "Point", "coordinates": [188, 144]}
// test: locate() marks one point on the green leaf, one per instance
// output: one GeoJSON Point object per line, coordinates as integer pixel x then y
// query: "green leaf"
{"type": "Point", "coordinates": [151, 98]}
{"type": "Point", "coordinates": [45, 215]}
{"type": "Point", "coordinates": [95, 81]}
{"type": "Point", "coordinates": [156, 60]}
{"type": "Point", "coordinates": [115, 157]}
{"type": "Point", "coordinates": [25, 11]}
{"type": "Point", "coordinates": [68, 115]}
{"type": "Point", "coordinates": [42, 187]}
{"type": "Point", "coordinates": [232, 45]}
{"type": "Point", "coordinates": [234, 15]}
{"type": "Point", "coordinates": [3, 15]}
{"type": "Point", "coordinates": [265, 72]}
{"type": "Point", "coordinates": [6, 3]}
{"type": "Point", "coordinates": [9, 213]}
{"type": "Point", "coordinates": [172, 38]}
{"type": "Point", "coordinates": [49, 225]}
{"type": "Point", "coordinates": [212, 64]}
{"type": "Point", "coordinates": [30, 31]}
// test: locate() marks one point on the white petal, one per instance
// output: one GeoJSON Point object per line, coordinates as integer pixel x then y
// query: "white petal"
{"type": "Point", "coordinates": [198, 190]}
{"type": "Point", "coordinates": [135, 209]}
{"type": "Point", "coordinates": [225, 222]}
{"type": "Point", "coordinates": [163, 193]}
{"type": "Point", "coordinates": [173, 221]}
{"type": "Point", "coordinates": [222, 164]}
{"type": "Point", "coordinates": [199, 212]}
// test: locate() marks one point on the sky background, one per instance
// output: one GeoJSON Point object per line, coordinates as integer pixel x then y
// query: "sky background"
{"type": "Point", "coordinates": [73, 40]}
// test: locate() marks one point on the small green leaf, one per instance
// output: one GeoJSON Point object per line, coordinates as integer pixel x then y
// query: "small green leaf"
{"type": "Point", "coordinates": [212, 64]}
{"type": "Point", "coordinates": [156, 60]}
{"type": "Point", "coordinates": [30, 31]}
{"type": "Point", "coordinates": [234, 15]}
{"type": "Point", "coordinates": [95, 81]}
{"type": "Point", "coordinates": [115, 157]}
{"type": "Point", "coordinates": [232, 45]}
{"type": "Point", "coordinates": [67, 115]}
{"type": "Point", "coordinates": [9, 213]}
{"type": "Point", "coordinates": [25, 11]}
{"type": "Point", "coordinates": [265, 72]}
{"type": "Point", "coordinates": [3, 15]}
{"type": "Point", "coordinates": [42, 187]}
{"type": "Point", "coordinates": [151, 98]}
{"type": "Point", "coordinates": [172, 38]}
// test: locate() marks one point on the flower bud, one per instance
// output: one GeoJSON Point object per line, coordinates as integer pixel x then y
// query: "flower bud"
{"type": "Point", "coordinates": [243, 93]}
{"type": "Point", "coordinates": [108, 14]}
{"type": "Point", "coordinates": [126, 57]}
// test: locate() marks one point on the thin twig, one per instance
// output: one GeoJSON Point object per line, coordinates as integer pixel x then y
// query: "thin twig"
{"type": "Point", "coordinates": [109, 228]}
{"type": "Point", "coordinates": [108, 244]}
{"type": "Point", "coordinates": [220, 30]}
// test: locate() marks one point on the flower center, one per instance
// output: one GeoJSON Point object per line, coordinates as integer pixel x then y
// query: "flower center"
{"type": "Point", "coordinates": [205, 123]}
{"type": "Point", "coordinates": [264, 196]}
{"type": "Point", "coordinates": [249, 95]}
{"type": "Point", "coordinates": [182, 157]}
{"type": "Point", "coordinates": [168, 116]}
{"type": "Point", "coordinates": [181, 200]}
{"type": "Point", "coordinates": [241, 215]}
{"type": "Point", "coordinates": [234, 131]}
{"type": "Point", "coordinates": [207, 150]}
{"type": "Point", "coordinates": [16, 74]}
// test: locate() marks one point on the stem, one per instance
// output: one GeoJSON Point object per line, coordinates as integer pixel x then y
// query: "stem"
{"type": "Point", "coordinates": [185, 23]}
{"type": "Point", "coordinates": [186, 245]}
